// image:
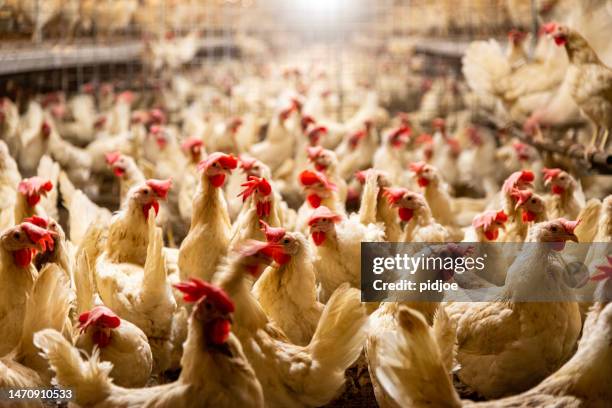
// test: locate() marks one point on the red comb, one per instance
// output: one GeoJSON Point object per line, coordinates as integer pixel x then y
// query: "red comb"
{"type": "Point", "coordinates": [227, 161]}
{"type": "Point", "coordinates": [569, 226]}
{"type": "Point", "coordinates": [316, 131]}
{"type": "Point", "coordinates": [273, 234]}
{"type": "Point", "coordinates": [307, 120]}
{"type": "Point", "coordinates": [247, 162]}
{"type": "Point", "coordinates": [309, 178]}
{"type": "Point", "coordinates": [100, 316]}
{"type": "Point", "coordinates": [191, 142]}
{"type": "Point", "coordinates": [355, 138]}
{"type": "Point", "coordinates": [112, 157]}
{"type": "Point", "coordinates": [33, 187]}
{"type": "Point", "coordinates": [255, 183]}
{"type": "Point", "coordinates": [488, 217]}
{"type": "Point", "coordinates": [514, 178]}
{"type": "Point", "coordinates": [157, 116]}
{"type": "Point", "coordinates": [195, 289]}
{"type": "Point", "coordinates": [550, 28]}
{"type": "Point", "coordinates": [314, 151]}
{"type": "Point", "coordinates": [394, 194]}
{"type": "Point", "coordinates": [251, 247]}
{"type": "Point", "coordinates": [417, 167]}
{"type": "Point", "coordinates": [161, 187]}
{"type": "Point", "coordinates": [501, 216]}
{"type": "Point", "coordinates": [126, 96]}
{"type": "Point", "coordinates": [520, 196]}
{"type": "Point", "coordinates": [322, 212]}
{"type": "Point", "coordinates": [550, 174]}
{"type": "Point", "coordinates": [39, 235]}
{"type": "Point", "coordinates": [438, 123]}
{"type": "Point", "coordinates": [38, 221]}
{"type": "Point", "coordinates": [605, 270]}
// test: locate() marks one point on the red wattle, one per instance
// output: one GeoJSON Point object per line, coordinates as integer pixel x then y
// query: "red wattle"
{"type": "Point", "coordinates": [528, 216]}
{"type": "Point", "coordinates": [405, 214]}
{"type": "Point", "coordinates": [217, 180]}
{"type": "Point", "coordinates": [118, 172]}
{"type": "Point", "coordinates": [318, 237]}
{"type": "Point", "coordinates": [557, 246]}
{"type": "Point", "coordinates": [23, 257]}
{"type": "Point", "coordinates": [320, 167]}
{"type": "Point", "coordinates": [100, 338]}
{"type": "Point", "coordinates": [220, 331]}
{"type": "Point", "coordinates": [423, 182]}
{"type": "Point", "coordinates": [147, 207]}
{"type": "Point", "coordinates": [33, 199]}
{"type": "Point", "coordinates": [314, 200]}
{"type": "Point", "coordinates": [560, 40]}
{"type": "Point", "coordinates": [557, 189]}
{"type": "Point", "coordinates": [253, 269]}
{"type": "Point", "coordinates": [263, 209]}
{"type": "Point", "coordinates": [492, 235]}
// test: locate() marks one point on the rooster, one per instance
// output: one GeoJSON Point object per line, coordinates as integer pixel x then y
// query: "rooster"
{"type": "Point", "coordinates": [118, 342]}
{"type": "Point", "coordinates": [506, 347]}
{"type": "Point", "coordinates": [18, 246]}
{"type": "Point", "coordinates": [210, 347]}
{"type": "Point", "coordinates": [291, 375]}
{"type": "Point", "coordinates": [208, 238]}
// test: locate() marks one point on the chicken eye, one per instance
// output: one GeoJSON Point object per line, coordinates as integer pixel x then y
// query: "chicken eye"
{"type": "Point", "coordinates": [286, 241]}
{"type": "Point", "coordinates": [533, 201]}
{"type": "Point", "coordinates": [16, 235]}
{"type": "Point", "coordinates": [216, 164]}
{"type": "Point", "coordinates": [208, 306]}
{"type": "Point", "coordinates": [554, 229]}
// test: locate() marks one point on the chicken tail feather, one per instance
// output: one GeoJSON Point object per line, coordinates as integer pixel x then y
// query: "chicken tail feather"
{"type": "Point", "coordinates": [89, 379]}
{"type": "Point", "coordinates": [410, 359]}
{"type": "Point", "coordinates": [338, 339]}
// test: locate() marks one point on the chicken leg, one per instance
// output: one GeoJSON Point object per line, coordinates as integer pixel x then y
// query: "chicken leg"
{"type": "Point", "coordinates": [604, 140]}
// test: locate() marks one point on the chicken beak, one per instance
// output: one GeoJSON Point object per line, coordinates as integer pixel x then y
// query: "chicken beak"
{"type": "Point", "coordinates": [572, 237]}
{"type": "Point", "coordinates": [547, 182]}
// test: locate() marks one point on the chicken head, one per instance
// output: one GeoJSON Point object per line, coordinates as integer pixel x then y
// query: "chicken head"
{"type": "Point", "coordinates": [217, 166]}
{"type": "Point", "coordinates": [33, 188]}
{"type": "Point", "coordinates": [99, 322]}
{"type": "Point", "coordinates": [24, 240]}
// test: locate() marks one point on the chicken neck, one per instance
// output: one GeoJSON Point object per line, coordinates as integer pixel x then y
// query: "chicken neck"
{"type": "Point", "coordinates": [535, 273]}
{"type": "Point", "coordinates": [128, 235]}
{"type": "Point", "coordinates": [579, 51]}
{"type": "Point", "coordinates": [209, 204]}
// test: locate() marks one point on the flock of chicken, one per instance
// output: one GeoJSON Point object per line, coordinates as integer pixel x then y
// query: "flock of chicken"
{"type": "Point", "coordinates": [234, 259]}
